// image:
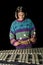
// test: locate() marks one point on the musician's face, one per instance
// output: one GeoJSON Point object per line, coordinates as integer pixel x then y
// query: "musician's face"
{"type": "Point", "coordinates": [21, 15]}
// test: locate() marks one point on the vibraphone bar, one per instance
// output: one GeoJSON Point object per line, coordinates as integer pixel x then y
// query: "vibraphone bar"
{"type": "Point", "coordinates": [31, 56]}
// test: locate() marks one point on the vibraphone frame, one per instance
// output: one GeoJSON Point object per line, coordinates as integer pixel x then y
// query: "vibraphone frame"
{"type": "Point", "coordinates": [31, 56]}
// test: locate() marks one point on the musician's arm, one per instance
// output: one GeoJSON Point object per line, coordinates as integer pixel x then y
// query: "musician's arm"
{"type": "Point", "coordinates": [33, 33]}
{"type": "Point", "coordinates": [12, 36]}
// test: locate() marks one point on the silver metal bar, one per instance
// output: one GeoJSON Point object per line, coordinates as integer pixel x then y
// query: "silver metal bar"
{"type": "Point", "coordinates": [33, 59]}
{"type": "Point", "coordinates": [26, 58]}
{"type": "Point", "coordinates": [23, 59]}
{"type": "Point", "coordinates": [20, 59]}
{"type": "Point", "coordinates": [36, 59]}
{"type": "Point", "coordinates": [1, 56]}
{"type": "Point", "coordinates": [14, 56]}
{"type": "Point", "coordinates": [5, 56]}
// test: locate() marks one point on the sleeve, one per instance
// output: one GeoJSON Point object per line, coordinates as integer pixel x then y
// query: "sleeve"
{"type": "Point", "coordinates": [12, 35]}
{"type": "Point", "coordinates": [32, 29]}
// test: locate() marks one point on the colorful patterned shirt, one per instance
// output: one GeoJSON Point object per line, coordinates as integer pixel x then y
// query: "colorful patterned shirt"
{"type": "Point", "coordinates": [22, 30]}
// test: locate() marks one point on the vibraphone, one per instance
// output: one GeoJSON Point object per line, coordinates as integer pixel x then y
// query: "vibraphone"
{"type": "Point", "coordinates": [31, 56]}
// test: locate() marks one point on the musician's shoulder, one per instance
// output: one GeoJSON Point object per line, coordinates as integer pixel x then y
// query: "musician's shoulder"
{"type": "Point", "coordinates": [29, 20]}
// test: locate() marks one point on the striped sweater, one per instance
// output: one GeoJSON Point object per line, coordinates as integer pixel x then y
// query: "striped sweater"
{"type": "Point", "coordinates": [21, 30]}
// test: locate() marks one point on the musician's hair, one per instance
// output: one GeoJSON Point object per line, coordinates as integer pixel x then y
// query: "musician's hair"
{"type": "Point", "coordinates": [20, 9]}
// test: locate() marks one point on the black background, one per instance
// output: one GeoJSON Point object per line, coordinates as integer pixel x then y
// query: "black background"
{"type": "Point", "coordinates": [7, 11]}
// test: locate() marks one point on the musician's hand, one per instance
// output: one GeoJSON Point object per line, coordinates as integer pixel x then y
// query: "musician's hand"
{"type": "Point", "coordinates": [16, 43]}
{"type": "Point", "coordinates": [33, 40]}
